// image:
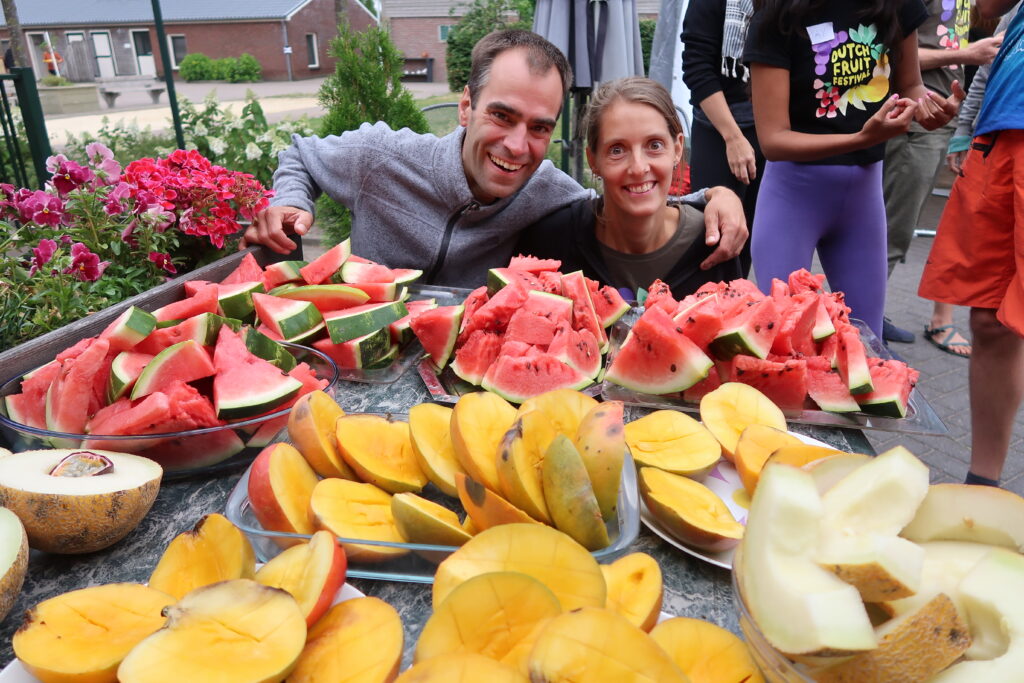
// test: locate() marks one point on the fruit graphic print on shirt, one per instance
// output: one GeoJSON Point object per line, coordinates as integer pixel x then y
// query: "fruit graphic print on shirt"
{"type": "Point", "coordinates": [850, 69]}
{"type": "Point", "coordinates": [954, 23]}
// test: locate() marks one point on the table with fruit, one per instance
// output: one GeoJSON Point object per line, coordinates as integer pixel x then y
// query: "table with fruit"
{"type": "Point", "coordinates": [852, 568]}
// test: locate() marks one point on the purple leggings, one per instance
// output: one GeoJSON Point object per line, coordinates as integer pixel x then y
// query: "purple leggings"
{"type": "Point", "coordinates": [835, 209]}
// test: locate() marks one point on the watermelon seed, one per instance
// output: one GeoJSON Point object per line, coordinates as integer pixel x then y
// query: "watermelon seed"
{"type": "Point", "coordinates": [771, 325]}
{"type": "Point", "coordinates": [672, 368]}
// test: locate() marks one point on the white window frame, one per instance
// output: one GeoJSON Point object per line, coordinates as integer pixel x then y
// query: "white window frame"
{"type": "Point", "coordinates": [313, 60]}
{"type": "Point", "coordinates": [170, 48]}
{"type": "Point", "coordinates": [442, 38]}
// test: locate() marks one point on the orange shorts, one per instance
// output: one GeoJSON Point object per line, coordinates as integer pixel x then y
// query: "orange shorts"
{"type": "Point", "coordinates": [977, 258]}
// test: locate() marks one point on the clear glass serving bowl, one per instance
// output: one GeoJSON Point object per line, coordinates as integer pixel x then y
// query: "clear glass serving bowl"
{"type": "Point", "coordinates": [420, 562]}
{"type": "Point", "coordinates": [182, 453]}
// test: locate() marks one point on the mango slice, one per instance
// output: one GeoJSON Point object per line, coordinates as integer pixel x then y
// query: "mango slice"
{"type": "Point", "coordinates": [565, 408]}
{"type": "Point", "coordinates": [570, 496]}
{"type": "Point", "coordinates": [215, 550]}
{"type": "Point", "coordinates": [601, 443]}
{"type": "Point", "coordinates": [485, 507]}
{"type": "Point", "coordinates": [635, 589]}
{"type": "Point", "coordinates": [353, 510]}
{"type": "Point", "coordinates": [461, 668]}
{"type": "Point", "coordinates": [689, 510]}
{"type": "Point", "coordinates": [281, 483]}
{"type": "Point", "coordinates": [733, 407]}
{"type": "Point", "coordinates": [520, 458]}
{"type": "Point", "coordinates": [705, 652]}
{"type": "Point", "coordinates": [423, 521]}
{"type": "Point", "coordinates": [311, 429]}
{"type": "Point", "coordinates": [479, 422]}
{"type": "Point", "coordinates": [380, 452]}
{"type": "Point", "coordinates": [755, 445]}
{"type": "Point", "coordinates": [674, 442]}
{"type": "Point", "coordinates": [430, 433]}
{"type": "Point", "coordinates": [311, 572]}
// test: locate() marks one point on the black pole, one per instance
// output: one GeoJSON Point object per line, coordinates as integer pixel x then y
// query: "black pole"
{"type": "Point", "coordinates": [165, 55]}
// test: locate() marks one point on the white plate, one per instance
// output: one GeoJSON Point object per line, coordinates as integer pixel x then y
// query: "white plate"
{"type": "Point", "coordinates": [725, 482]}
{"type": "Point", "coordinates": [16, 673]}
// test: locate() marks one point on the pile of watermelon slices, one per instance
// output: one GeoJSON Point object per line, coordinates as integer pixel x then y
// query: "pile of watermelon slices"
{"type": "Point", "coordinates": [795, 344]}
{"type": "Point", "coordinates": [531, 329]}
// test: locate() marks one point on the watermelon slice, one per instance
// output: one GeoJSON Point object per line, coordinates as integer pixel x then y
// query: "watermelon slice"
{"type": "Point", "coordinates": [290, 318]}
{"type": "Point", "coordinates": [476, 355]}
{"type": "Point", "coordinates": [518, 378]}
{"type": "Point", "coordinates": [268, 349]}
{"type": "Point", "coordinates": [552, 306]}
{"type": "Point", "coordinates": [823, 326]}
{"type": "Point", "coordinates": [827, 388]}
{"type": "Point", "coordinates": [235, 300]}
{"type": "Point", "coordinates": [576, 348]}
{"type": "Point", "coordinates": [657, 358]}
{"type": "Point", "coordinates": [246, 385]}
{"type": "Point", "coordinates": [203, 328]}
{"type": "Point", "coordinates": [361, 320]}
{"type": "Point", "coordinates": [326, 297]}
{"type": "Point", "coordinates": [500, 277]}
{"type": "Point", "coordinates": [750, 330]}
{"type": "Point", "coordinates": [280, 272]}
{"type": "Point", "coordinates": [385, 360]}
{"type": "Point", "coordinates": [784, 383]}
{"type": "Point", "coordinates": [69, 395]}
{"type": "Point", "coordinates": [660, 294]}
{"type": "Point", "coordinates": [129, 329]}
{"type": "Point", "coordinates": [361, 273]}
{"type": "Point", "coordinates": [695, 393]}
{"type": "Point", "coordinates": [474, 300]}
{"type": "Point", "coordinates": [248, 270]}
{"type": "Point", "coordinates": [494, 314]}
{"type": "Point", "coordinates": [532, 264]}
{"type": "Point", "coordinates": [608, 305]}
{"type": "Point", "coordinates": [531, 328]}
{"type": "Point", "coordinates": [123, 417]}
{"type": "Point", "coordinates": [892, 381]}
{"type": "Point", "coordinates": [29, 407]}
{"type": "Point", "coordinates": [379, 291]}
{"type": "Point", "coordinates": [203, 301]}
{"type": "Point", "coordinates": [357, 353]}
{"type": "Point", "coordinates": [124, 371]}
{"type": "Point", "coordinates": [406, 276]}
{"type": "Point", "coordinates": [191, 287]}
{"type": "Point", "coordinates": [185, 361]}
{"type": "Point", "coordinates": [795, 331]}
{"type": "Point", "coordinates": [327, 264]}
{"type": "Point", "coordinates": [584, 317]}
{"type": "Point", "coordinates": [803, 281]}
{"type": "Point", "coordinates": [550, 281]}
{"type": "Point", "coordinates": [437, 330]}
{"type": "Point", "coordinates": [701, 320]}
{"type": "Point", "coordinates": [852, 362]}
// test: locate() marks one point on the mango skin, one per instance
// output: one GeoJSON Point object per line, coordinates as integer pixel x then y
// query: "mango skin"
{"type": "Point", "coordinates": [570, 496]}
{"type": "Point", "coordinates": [601, 442]}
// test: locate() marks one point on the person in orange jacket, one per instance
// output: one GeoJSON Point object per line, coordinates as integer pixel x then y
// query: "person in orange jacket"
{"type": "Point", "coordinates": [51, 58]}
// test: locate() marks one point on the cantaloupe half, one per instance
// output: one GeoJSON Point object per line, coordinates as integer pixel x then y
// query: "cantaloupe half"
{"type": "Point", "coordinates": [83, 514]}
{"type": "Point", "coordinates": [13, 559]}
{"type": "Point", "coordinates": [241, 629]}
{"type": "Point", "coordinates": [958, 512]}
{"type": "Point", "coordinates": [85, 634]}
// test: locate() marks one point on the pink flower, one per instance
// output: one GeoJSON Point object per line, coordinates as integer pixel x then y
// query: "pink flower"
{"type": "Point", "coordinates": [114, 205]}
{"type": "Point", "coordinates": [42, 255]}
{"type": "Point", "coordinates": [86, 265]}
{"type": "Point", "coordinates": [102, 159]}
{"type": "Point", "coordinates": [68, 175]}
{"type": "Point", "coordinates": [162, 261]}
{"type": "Point", "coordinates": [42, 208]}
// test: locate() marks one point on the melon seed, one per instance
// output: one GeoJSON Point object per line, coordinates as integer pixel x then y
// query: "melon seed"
{"type": "Point", "coordinates": [82, 464]}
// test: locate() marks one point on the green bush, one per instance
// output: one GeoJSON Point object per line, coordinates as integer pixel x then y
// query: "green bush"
{"type": "Point", "coordinates": [646, 40]}
{"type": "Point", "coordinates": [224, 67]}
{"type": "Point", "coordinates": [245, 69]}
{"type": "Point", "coordinates": [198, 67]}
{"type": "Point", "coordinates": [481, 18]}
{"type": "Point", "coordinates": [366, 86]}
{"type": "Point", "coordinates": [54, 81]}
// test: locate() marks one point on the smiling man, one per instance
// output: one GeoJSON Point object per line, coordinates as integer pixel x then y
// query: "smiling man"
{"type": "Point", "coordinates": [451, 206]}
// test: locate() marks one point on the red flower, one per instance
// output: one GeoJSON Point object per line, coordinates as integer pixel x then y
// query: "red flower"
{"type": "Point", "coordinates": [42, 255]}
{"type": "Point", "coordinates": [67, 175]}
{"type": "Point", "coordinates": [86, 265]}
{"type": "Point", "coordinates": [162, 261]}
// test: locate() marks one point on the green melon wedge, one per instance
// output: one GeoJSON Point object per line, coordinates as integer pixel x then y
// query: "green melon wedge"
{"type": "Point", "coordinates": [130, 328]}
{"type": "Point", "coordinates": [287, 317]}
{"type": "Point", "coordinates": [361, 320]}
{"type": "Point", "coordinates": [124, 371]}
{"type": "Point", "coordinates": [236, 301]}
{"type": "Point", "coordinates": [185, 361]}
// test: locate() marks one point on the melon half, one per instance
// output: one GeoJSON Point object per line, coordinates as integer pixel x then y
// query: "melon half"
{"type": "Point", "coordinates": [77, 514]}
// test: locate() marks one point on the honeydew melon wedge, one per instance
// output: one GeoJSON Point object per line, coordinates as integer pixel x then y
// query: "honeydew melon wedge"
{"type": "Point", "coordinates": [185, 361]}
{"type": "Point", "coordinates": [357, 321]}
{"type": "Point", "coordinates": [289, 318]}
{"type": "Point", "coordinates": [801, 608]}
{"type": "Point", "coordinates": [129, 329]}
{"type": "Point", "coordinates": [235, 300]}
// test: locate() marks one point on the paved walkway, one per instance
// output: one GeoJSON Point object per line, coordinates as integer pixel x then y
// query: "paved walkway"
{"type": "Point", "coordinates": [943, 377]}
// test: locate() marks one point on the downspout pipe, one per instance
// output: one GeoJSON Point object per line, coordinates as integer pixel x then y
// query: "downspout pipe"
{"type": "Point", "coordinates": [287, 49]}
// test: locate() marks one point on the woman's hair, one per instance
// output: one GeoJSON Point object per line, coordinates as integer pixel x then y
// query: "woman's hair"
{"type": "Point", "coordinates": [794, 15]}
{"type": "Point", "coordinates": [630, 89]}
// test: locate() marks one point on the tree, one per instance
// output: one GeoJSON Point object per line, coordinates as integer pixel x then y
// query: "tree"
{"type": "Point", "coordinates": [482, 17]}
{"type": "Point", "coordinates": [366, 86]}
{"type": "Point", "coordinates": [17, 40]}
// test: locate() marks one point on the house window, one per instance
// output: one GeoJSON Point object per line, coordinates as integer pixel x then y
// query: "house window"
{"type": "Point", "coordinates": [442, 32]}
{"type": "Point", "coordinates": [312, 52]}
{"type": "Point", "coordinates": [178, 49]}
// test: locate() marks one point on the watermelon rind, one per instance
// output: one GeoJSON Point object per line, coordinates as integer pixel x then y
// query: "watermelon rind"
{"type": "Point", "coordinates": [326, 297]}
{"type": "Point", "coordinates": [401, 330]}
{"type": "Point", "coordinates": [361, 320]}
{"type": "Point", "coordinates": [290, 318]}
{"type": "Point", "coordinates": [169, 365]}
{"type": "Point", "coordinates": [853, 367]}
{"type": "Point", "coordinates": [370, 347]}
{"type": "Point", "coordinates": [161, 324]}
{"type": "Point", "coordinates": [247, 391]}
{"type": "Point", "coordinates": [125, 369]}
{"type": "Point", "coordinates": [235, 300]}
{"type": "Point", "coordinates": [385, 360]}
{"type": "Point", "coordinates": [276, 291]}
{"type": "Point", "coordinates": [378, 291]}
{"type": "Point", "coordinates": [405, 276]}
{"type": "Point", "coordinates": [266, 348]}
{"type": "Point", "coordinates": [884, 405]}
{"type": "Point", "coordinates": [308, 335]}
{"type": "Point", "coordinates": [281, 272]}
{"type": "Point", "coordinates": [130, 328]}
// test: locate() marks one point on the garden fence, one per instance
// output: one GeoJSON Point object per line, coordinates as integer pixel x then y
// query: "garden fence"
{"type": "Point", "coordinates": [25, 145]}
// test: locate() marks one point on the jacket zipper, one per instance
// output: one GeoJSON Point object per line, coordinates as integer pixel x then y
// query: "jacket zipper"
{"type": "Point", "coordinates": [446, 240]}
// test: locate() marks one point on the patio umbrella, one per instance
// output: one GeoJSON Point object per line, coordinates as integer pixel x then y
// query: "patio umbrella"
{"type": "Point", "coordinates": [601, 40]}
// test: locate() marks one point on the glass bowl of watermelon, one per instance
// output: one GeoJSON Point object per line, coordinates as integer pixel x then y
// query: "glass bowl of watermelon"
{"type": "Point", "coordinates": [190, 408]}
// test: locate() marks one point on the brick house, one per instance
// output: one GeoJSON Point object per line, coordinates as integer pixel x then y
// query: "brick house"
{"type": "Point", "coordinates": [110, 38]}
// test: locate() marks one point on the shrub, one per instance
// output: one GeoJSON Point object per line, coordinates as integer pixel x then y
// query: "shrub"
{"type": "Point", "coordinates": [245, 69]}
{"type": "Point", "coordinates": [646, 40]}
{"type": "Point", "coordinates": [366, 86]}
{"type": "Point", "coordinates": [481, 18]}
{"type": "Point", "coordinates": [198, 67]}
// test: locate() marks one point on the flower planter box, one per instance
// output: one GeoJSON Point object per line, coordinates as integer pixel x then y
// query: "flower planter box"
{"type": "Point", "coordinates": [32, 354]}
{"type": "Point", "coordinates": [69, 99]}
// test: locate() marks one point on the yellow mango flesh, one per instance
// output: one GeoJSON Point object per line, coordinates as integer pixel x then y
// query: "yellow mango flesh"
{"type": "Point", "coordinates": [215, 550]}
{"type": "Point", "coordinates": [705, 652]}
{"type": "Point", "coordinates": [303, 570]}
{"type": "Point", "coordinates": [479, 422]}
{"type": "Point", "coordinates": [635, 589]}
{"type": "Point", "coordinates": [485, 507]}
{"type": "Point", "coordinates": [733, 407]}
{"type": "Point", "coordinates": [380, 452]}
{"type": "Point", "coordinates": [353, 510]}
{"type": "Point", "coordinates": [430, 433]}
{"type": "Point", "coordinates": [356, 641]}
{"type": "Point", "coordinates": [596, 645]}
{"type": "Point", "coordinates": [690, 510]}
{"type": "Point", "coordinates": [755, 446]}
{"type": "Point", "coordinates": [674, 442]}
{"type": "Point", "coordinates": [565, 408]}
{"type": "Point", "coordinates": [549, 556]}
{"type": "Point", "coordinates": [311, 430]}
{"type": "Point", "coordinates": [520, 458]}
{"type": "Point", "coordinates": [244, 631]}
{"type": "Point", "coordinates": [488, 614]}
{"type": "Point", "coordinates": [461, 668]}
{"type": "Point", "coordinates": [422, 521]}
{"type": "Point", "coordinates": [83, 635]}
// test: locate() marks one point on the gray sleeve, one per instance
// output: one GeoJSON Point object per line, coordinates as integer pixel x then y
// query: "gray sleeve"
{"type": "Point", "coordinates": [698, 199]}
{"type": "Point", "coordinates": [976, 93]}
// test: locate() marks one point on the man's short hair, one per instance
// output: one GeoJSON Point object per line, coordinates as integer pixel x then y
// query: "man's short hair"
{"type": "Point", "coordinates": [541, 56]}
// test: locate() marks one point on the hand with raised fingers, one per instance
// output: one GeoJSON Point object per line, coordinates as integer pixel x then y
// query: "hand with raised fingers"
{"type": "Point", "coordinates": [272, 226]}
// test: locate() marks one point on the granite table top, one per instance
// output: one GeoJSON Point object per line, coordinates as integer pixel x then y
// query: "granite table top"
{"type": "Point", "coordinates": [692, 587]}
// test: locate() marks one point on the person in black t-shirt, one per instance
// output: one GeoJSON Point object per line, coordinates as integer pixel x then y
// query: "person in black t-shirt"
{"type": "Point", "coordinates": [831, 82]}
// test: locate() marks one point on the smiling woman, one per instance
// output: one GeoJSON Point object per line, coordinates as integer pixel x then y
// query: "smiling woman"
{"type": "Point", "coordinates": [634, 234]}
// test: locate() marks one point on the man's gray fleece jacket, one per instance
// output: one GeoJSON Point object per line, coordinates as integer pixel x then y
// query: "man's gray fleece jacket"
{"type": "Point", "coordinates": [411, 204]}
